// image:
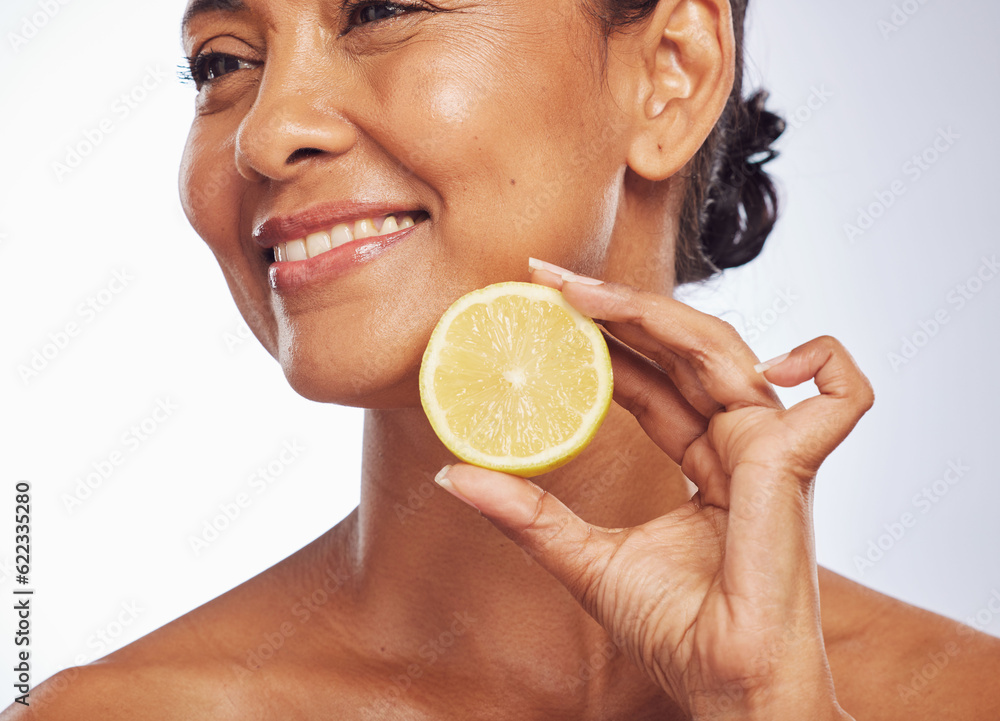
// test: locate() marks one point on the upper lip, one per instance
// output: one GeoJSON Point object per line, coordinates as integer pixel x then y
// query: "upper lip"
{"type": "Point", "coordinates": [323, 216]}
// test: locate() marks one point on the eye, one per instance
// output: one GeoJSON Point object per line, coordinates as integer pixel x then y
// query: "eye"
{"type": "Point", "coordinates": [210, 66]}
{"type": "Point", "coordinates": [364, 12]}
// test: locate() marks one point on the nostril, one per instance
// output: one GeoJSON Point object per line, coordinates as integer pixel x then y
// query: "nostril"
{"type": "Point", "coordinates": [302, 153]}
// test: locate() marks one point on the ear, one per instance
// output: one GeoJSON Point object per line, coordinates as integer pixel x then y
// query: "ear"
{"type": "Point", "coordinates": [681, 85]}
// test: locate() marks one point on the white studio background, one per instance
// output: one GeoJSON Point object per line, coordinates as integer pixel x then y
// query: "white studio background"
{"type": "Point", "coordinates": [867, 84]}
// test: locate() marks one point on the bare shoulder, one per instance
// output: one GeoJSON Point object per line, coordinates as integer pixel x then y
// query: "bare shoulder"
{"type": "Point", "coordinates": [285, 691]}
{"type": "Point", "coordinates": [187, 669]}
{"type": "Point", "coordinates": [252, 654]}
{"type": "Point", "coordinates": [891, 660]}
{"type": "Point", "coordinates": [216, 689]}
{"type": "Point", "coordinates": [112, 691]}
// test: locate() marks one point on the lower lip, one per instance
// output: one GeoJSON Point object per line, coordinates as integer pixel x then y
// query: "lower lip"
{"type": "Point", "coordinates": [287, 276]}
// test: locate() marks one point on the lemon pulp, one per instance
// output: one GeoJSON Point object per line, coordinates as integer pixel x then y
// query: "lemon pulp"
{"type": "Point", "coordinates": [515, 379]}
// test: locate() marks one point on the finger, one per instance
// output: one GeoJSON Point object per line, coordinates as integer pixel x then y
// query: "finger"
{"type": "Point", "coordinates": [553, 275]}
{"type": "Point", "coordinates": [668, 419]}
{"type": "Point", "coordinates": [544, 276]}
{"type": "Point", "coordinates": [724, 364]}
{"type": "Point", "coordinates": [845, 393]}
{"type": "Point", "coordinates": [704, 468]}
{"type": "Point", "coordinates": [770, 527]}
{"type": "Point", "coordinates": [677, 369]}
{"type": "Point", "coordinates": [647, 393]}
{"type": "Point", "coordinates": [680, 371]}
{"type": "Point", "coordinates": [572, 550]}
{"type": "Point", "coordinates": [669, 402]}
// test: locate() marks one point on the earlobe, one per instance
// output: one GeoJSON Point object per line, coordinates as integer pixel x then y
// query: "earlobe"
{"type": "Point", "coordinates": [688, 69]}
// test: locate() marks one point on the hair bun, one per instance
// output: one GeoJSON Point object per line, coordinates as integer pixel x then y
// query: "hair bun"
{"type": "Point", "coordinates": [742, 204]}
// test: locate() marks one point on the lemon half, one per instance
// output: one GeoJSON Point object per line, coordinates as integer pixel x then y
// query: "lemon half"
{"type": "Point", "coordinates": [515, 379]}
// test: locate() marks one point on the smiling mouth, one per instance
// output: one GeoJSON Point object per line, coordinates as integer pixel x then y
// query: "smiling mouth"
{"type": "Point", "coordinates": [326, 240]}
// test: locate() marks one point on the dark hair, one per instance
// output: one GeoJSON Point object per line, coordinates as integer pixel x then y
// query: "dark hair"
{"type": "Point", "coordinates": [731, 204]}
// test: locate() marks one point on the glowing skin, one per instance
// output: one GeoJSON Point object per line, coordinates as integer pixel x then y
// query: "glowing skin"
{"type": "Point", "coordinates": [436, 111]}
{"type": "Point", "coordinates": [498, 120]}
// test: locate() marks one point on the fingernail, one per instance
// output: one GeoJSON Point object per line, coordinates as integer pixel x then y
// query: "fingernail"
{"type": "Point", "coordinates": [566, 275]}
{"type": "Point", "coordinates": [767, 365]}
{"type": "Point", "coordinates": [536, 264]}
{"type": "Point", "coordinates": [581, 279]}
{"type": "Point", "coordinates": [442, 480]}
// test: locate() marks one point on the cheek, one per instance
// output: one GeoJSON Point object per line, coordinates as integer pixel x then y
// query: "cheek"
{"type": "Point", "coordinates": [440, 124]}
{"type": "Point", "coordinates": [511, 131]}
{"type": "Point", "coordinates": [210, 188]}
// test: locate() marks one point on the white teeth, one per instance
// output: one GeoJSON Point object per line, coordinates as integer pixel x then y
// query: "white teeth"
{"type": "Point", "coordinates": [341, 234]}
{"type": "Point", "coordinates": [389, 225]}
{"type": "Point", "coordinates": [296, 250]}
{"type": "Point", "coordinates": [364, 228]}
{"type": "Point", "coordinates": [316, 243]}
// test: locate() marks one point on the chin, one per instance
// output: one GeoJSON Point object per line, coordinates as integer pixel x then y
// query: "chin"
{"type": "Point", "coordinates": [380, 380]}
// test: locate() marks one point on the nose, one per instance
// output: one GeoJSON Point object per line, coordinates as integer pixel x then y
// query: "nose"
{"type": "Point", "coordinates": [294, 121]}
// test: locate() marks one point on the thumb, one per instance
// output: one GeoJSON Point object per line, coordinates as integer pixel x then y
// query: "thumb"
{"type": "Point", "coordinates": [575, 552]}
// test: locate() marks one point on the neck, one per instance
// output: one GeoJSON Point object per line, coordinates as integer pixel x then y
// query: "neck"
{"type": "Point", "coordinates": [428, 565]}
{"type": "Point", "coordinates": [448, 595]}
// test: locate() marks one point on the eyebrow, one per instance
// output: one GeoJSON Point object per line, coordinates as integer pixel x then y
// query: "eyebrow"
{"type": "Point", "coordinates": [200, 7]}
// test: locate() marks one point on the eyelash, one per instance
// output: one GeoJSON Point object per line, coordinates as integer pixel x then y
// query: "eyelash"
{"type": "Point", "coordinates": [353, 7]}
{"type": "Point", "coordinates": [196, 69]}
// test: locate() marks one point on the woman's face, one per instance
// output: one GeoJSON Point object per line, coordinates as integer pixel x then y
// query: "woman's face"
{"type": "Point", "coordinates": [488, 122]}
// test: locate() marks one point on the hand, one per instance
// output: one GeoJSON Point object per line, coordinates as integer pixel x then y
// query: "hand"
{"type": "Point", "coordinates": [718, 600]}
